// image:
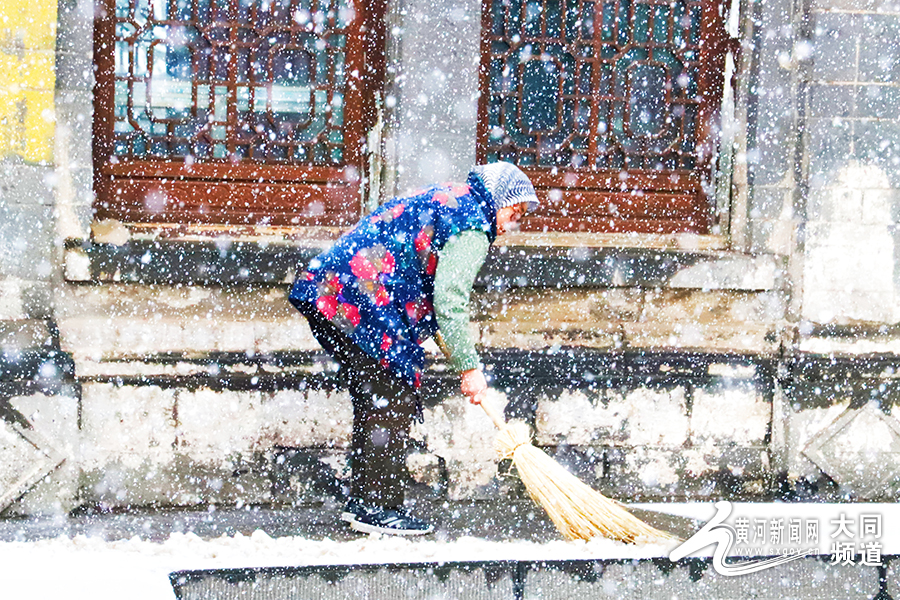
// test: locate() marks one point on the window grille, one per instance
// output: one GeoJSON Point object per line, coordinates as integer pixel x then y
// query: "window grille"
{"type": "Point", "coordinates": [231, 111]}
{"type": "Point", "coordinates": [609, 106]}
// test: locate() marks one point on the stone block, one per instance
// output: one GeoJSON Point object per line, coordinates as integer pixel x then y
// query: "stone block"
{"type": "Point", "coordinates": [843, 278]}
{"type": "Point", "coordinates": [729, 273]}
{"type": "Point", "coordinates": [645, 471]}
{"type": "Point", "coordinates": [830, 148]}
{"type": "Point", "coordinates": [12, 299]}
{"type": "Point", "coordinates": [463, 436]}
{"type": "Point", "coordinates": [580, 418]}
{"type": "Point", "coordinates": [201, 335]}
{"type": "Point", "coordinates": [830, 101]}
{"type": "Point", "coordinates": [212, 425]}
{"type": "Point", "coordinates": [834, 204]}
{"type": "Point", "coordinates": [713, 307]}
{"type": "Point", "coordinates": [732, 413]}
{"type": "Point", "coordinates": [289, 334]}
{"type": "Point", "coordinates": [306, 419]}
{"type": "Point", "coordinates": [617, 304]}
{"type": "Point", "coordinates": [236, 336]}
{"type": "Point", "coordinates": [22, 334]}
{"type": "Point", "coordinates": [845, 206]}
{"type": "Point", "coordinates": [878, 144]}
{"type": "Point", "coordinates": [762, 234]}
{"type": "Point", "coordinates": [128, 320]}
{"type": "Point", "coordinates": [801, 425]}
{"type": "Point", "coordinates": [858, 451]}
{"type": "Point", "coordinates": [769, 203]}
{"type": "Point", "coordinates": [880, 206]}
{"type": "Point", "coordinates": [834, 39]}
{"type": "Point", "coordinates": [534, 308]}
{"type": "Point", "coordinates": [236, 481]}
{"type": "Point", "coordinates": [130, 425]}
{"type": "Point", "coordinates": [52, 489]}
{"type": "Point", "coordinates": [85, 338]}
{"type": "Point", "coordinates": [525, 319]}
{"type": "Point", "coordinates": [654, 417]}
{"type": "Point", "coordinates": [841, 305]}
{"type": "Point", "coordinates": [138, 337]}
{"type": "Point", "coordinates": [20, 458]}
{"type": "Point", "coordinates": [879, 57]}
{"type": "Point", "coordinates": [846, 235]}
{"type": "Point", "coordinates": [730, 337]}
{"type": "Point", "coordinates": [831, 267]}
{"type": "Point", "coordinates": [727, 470]}
{"type": "Point", "coordinates": [878, 102]}
{"type": "Point", "coordinates": [509, 334]}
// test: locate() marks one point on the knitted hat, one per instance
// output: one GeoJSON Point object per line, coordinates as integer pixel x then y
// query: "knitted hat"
{"type": "Point", "coordinates": [507, 184]}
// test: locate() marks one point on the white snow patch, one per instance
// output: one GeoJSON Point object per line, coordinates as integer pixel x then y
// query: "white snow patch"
{"type": "Point", "coordinates": [90, 568]}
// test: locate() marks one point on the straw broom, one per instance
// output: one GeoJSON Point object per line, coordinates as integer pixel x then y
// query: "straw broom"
{"type": "Point", "coordinates": [578, 511]}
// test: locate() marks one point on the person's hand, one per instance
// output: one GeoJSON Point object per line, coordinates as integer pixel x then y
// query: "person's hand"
{"type": "Point", "coordinates": [473, 385]}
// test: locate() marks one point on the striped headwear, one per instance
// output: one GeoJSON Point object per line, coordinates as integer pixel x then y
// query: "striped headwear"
{"type": "Point", "coordinates": [507, 184]}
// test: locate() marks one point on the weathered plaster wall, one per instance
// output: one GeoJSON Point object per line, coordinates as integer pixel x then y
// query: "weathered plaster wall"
{"type": "Point", "coordinates": [38, 397]}
{"type": "Point", "coordinates": [705, 374]}
{"type": "Point", "coordinates": [27, 179]}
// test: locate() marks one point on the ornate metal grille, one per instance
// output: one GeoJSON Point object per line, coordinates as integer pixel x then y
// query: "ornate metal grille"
{"type": "Point", "coordinates": [261, 93]}
{"type": "Point", "coordinates": [606, 102]}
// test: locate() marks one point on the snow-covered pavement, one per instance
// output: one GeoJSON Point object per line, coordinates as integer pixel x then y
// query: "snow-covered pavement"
{"type": "Point", "coordinates": [90, 568]}
{"type": "Point", "coordinates": [85, 566]}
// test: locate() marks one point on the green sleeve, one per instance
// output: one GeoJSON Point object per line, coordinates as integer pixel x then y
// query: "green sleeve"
{"type": "Point", "coordinates": [459, 262]}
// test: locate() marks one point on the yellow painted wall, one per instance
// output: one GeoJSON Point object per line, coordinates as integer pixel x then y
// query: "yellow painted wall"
{"type": "Point", "coordinates": [27, 79]}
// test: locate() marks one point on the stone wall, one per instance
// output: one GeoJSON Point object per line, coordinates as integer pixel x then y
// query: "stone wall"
{"type": "Point", "coordinates": [850, 271]}
{"type": "Point", "coordinates": [739, 365]}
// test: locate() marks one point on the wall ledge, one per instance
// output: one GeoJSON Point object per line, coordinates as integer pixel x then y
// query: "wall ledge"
{"type": "Point", "coordinates": [228, 262]}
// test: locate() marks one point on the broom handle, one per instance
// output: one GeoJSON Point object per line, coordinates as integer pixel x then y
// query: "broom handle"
{"type": "Point", "coordinates": [497, 418]}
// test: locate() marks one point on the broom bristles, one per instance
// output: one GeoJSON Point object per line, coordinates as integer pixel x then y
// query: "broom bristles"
{"type": "Point", "coordinates": [578, 511]}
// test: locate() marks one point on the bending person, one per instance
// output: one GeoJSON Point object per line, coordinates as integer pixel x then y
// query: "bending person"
{"type": "Point", "coordinates": [387, 285]}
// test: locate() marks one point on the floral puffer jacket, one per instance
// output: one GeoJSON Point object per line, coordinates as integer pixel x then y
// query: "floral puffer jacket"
{"type": "Point", "coordinates": [376, 284]}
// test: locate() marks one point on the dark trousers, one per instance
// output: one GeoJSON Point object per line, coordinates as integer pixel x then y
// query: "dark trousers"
{"type": "Point", "coordinates": [383, 409]}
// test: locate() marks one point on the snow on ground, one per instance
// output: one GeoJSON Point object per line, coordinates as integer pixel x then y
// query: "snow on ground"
{"type": "Point", "coordinates": [87, 567]}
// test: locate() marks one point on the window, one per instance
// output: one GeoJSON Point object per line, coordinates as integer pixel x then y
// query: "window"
{"type": "Point", "coordinates": [609, 106]}
{"type": "Point", "coordinates": [233, 111]}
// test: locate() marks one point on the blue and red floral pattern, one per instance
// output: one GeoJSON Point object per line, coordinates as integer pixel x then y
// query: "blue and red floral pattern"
{"type": "Point", "coordinates": [376, 284]}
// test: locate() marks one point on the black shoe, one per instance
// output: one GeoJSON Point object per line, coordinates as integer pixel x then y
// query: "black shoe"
{"type": "Point", "coordinates": [356, 508]}
{"type": "Point", "coordinates": [368, 518]}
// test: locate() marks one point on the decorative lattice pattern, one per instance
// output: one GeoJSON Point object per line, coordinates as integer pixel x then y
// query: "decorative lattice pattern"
{"type": "Point", "coordinates": [609, 84]}
{"type": "Point", "coordinates": [231, 80]}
